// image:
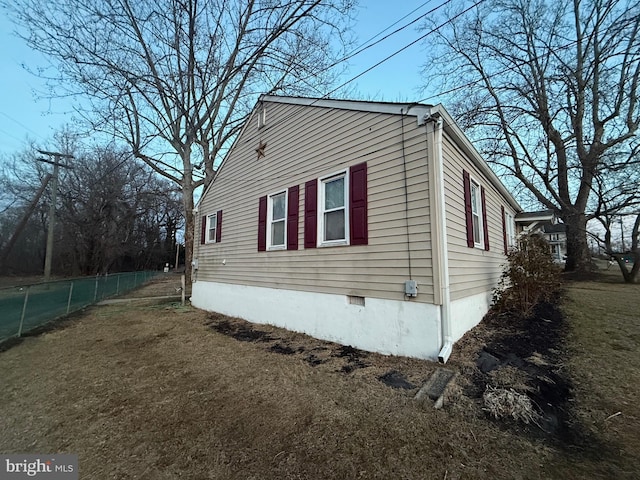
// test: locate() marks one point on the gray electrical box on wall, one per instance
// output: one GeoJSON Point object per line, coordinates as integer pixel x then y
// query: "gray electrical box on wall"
{"type": "Point", "coordinates": [411, 288]}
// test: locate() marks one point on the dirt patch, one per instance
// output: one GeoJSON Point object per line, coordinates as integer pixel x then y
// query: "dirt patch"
{"type": "Point", "coordinates": [395, 379]}
{"type": "Point", "coordinates": [241, 331]}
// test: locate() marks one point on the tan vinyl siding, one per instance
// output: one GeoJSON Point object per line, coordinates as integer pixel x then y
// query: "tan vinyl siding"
{"type": "Point", "coordinates": [471, 270]}
{"type": "Point", "coordinates": [305, 143]}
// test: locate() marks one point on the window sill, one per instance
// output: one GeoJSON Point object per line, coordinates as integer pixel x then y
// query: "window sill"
{"type": "Point", "coordinates": [276, 248]}
{"type": "Point", "coordinates": [334, 243]}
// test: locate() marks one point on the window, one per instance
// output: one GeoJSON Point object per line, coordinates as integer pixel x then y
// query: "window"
{"type": "Point", "coordinates": [277, 214]}
{"type": "Point", "coordinates": [510, 225]}
{"type": "Point", "coordinates": [262, 116]}
{"type": "Point", "coordinates": [278, 220]}
{"type": "Point", "coordinates": [333, 210]}
{"type": "Point", "coordinates": [212, 222]}
{"type": "Point", "coordinates": [554, 237]}
{"type": "Point", "coordinates": [508, 230]}
{"type": "Point", "coordinates": [211, 228]}
{"type": "Point", "coordinates": [475, 213]}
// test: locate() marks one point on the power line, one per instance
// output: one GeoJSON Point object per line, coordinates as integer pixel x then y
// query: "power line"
{"type": "Point", "coordinates": [17, 122]}
{"type": "Point", "coordinates": [430, 32]}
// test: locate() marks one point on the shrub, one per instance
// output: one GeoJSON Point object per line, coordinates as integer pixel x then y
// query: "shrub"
{"type": "Point", "coordinates": [530, 277]}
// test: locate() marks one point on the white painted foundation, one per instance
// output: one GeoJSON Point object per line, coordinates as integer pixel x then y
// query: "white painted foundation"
{"type": "Point", "coordinates": [386, 326]}
{"type": "Point", "coordinates": [467, 312]}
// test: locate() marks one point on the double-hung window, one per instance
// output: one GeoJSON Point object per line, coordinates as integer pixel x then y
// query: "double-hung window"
{"type": "Point", "coordinates": [277, 225]}
{"type": "Point", "coordinates": [475, 209]}
{"type": "Point", "coordinates": [476, 213]}
{"type": "Point", "coordinates": [212, 224]}
{"type": "Point", "coordinates": [333, 218]}
{"type": "Point", "coordinates": [510, 227]}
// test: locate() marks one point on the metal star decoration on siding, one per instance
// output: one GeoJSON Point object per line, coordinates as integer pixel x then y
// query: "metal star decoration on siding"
{"type": "Point", "coordinates": [260, 149]}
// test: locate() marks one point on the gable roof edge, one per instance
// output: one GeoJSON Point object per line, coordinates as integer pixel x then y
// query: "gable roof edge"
{"type": "Point", "coordinates": [454, 130]}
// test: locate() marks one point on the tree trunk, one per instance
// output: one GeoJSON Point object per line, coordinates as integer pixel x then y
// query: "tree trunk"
{"type": "Point", "coordinates": [189, 225]}
{"type": "Point", "coordinates": [578, 258]}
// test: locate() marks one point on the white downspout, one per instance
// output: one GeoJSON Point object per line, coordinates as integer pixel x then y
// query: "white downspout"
{"type": "Point", "coordinates": [441, 227]}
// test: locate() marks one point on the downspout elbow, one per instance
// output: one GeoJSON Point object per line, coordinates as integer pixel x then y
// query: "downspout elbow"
{"type": "Point", "coordinates": [445, 351]}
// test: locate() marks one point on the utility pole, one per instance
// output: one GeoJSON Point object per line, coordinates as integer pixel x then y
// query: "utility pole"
{"type": "Point", "coordinates": [622, 235]}
{"type": "Point", "coordinates": [52, 208]}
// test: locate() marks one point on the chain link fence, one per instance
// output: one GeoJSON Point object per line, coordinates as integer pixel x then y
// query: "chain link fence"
{"type": "Point", "coordinates": [26, 307]}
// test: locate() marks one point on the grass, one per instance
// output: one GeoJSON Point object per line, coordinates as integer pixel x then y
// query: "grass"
{"type": "Point", "coordinates": [153, 392]}
{"type": "Point", "coordinates": [605, 363]}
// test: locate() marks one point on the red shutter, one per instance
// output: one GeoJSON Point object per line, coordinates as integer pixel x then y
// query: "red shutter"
{"type": "Point", "coordinates": [219, 226]}
{"type": "Point", "coordinates": [310, 214]}
{"type": "Point", "coordinates": [358, 230]}
{"type": "Point", "coordinates": [466, 180]}
{"type": "Point", "coordinates": [262, 224]}
{"type": "Point", "coordinates": [292, 217]}
{"type": "Point", "coordinates": [485, 226]}
{"type": "Point", "coordinates": [203, 230]}
{"type": "Point", "coordinates": [504, 231]}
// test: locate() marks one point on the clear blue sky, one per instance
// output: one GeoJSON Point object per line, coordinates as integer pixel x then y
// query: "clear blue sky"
{"type": "Point", "coordinates": [25, 114]}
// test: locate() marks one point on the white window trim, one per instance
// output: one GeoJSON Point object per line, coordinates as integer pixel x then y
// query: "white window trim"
{"type": "Point", "coordinates": [321, 211]}
{"type": "Point", "coordinates": [270, 219]}
{"type": "Point", "coordinates": [210, 227]}
{"type": "Point", "coordinates": [510, 223]}
{"type": "Point", "coordinates": [262, 116]}
{"type": "Point", "coordinates": [472, 182]}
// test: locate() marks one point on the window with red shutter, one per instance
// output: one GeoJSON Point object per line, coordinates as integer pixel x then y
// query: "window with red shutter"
{"type": "Point", "coordinates": [203, 230]}
{"type": "Point", "coordinates": [219, 226]}
{"type": "Point", "coordinates": [485, 225]}
{"type": "Point", "coordinates": [292, 218]}
{"type": "Point", "coordinates": [262, 224]}
{"type": "Point", "coordinates": [310, 214]}
{"type": "Point", "coordinates": [358, 227]}
{"type": "Point", "coordinates": [466, 180]}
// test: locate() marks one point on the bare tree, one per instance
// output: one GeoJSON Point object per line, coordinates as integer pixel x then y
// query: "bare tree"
{"type": "Point", "coordinates": [175, 79]}
{"type": "Point", "coordinates": [616, 199]}
{"type": "Point", "coordinates": [548, 89]}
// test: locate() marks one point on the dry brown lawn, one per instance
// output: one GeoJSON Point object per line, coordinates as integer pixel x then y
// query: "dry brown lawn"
{"type": "Point", "coordinates": [153, 392]}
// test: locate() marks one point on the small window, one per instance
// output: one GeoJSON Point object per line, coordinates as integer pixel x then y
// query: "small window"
{"type": "Point", "coordinates": [262, 116]}
{"type": "Point", "coordinates": [277, 214]}
{"type": "Point", "coordinates": [510, 226]}
{"type": "Point", "coordinates": [212, 223]}
{"type": "Point", "coordinates": [333, 210]}
{"type": "Point", "coordinates": [476, 213]}
{"type": "Point", "coordinates": [554, 237]}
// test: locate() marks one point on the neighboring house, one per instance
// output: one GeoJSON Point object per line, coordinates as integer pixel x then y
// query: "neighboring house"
{"type": "Point", "coordinates": [376, 225]}
{"type": "Point", "coordinates": [546, 224]}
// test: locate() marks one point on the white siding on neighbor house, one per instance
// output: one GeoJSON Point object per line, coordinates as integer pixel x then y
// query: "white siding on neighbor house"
{"type": "Point", "coordinates": [302, 144]}
{"type": "Point", "coordinates": [472, 271]}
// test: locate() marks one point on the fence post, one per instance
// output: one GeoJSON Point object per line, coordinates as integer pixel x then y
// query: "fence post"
{"type": "Point", "coordinates": [69, 300]}
{"type": "Point", "coordinates": [118, 284]}
{"type": "Point", "coordinates": [24, 309]}
{"type": "Point", "coordinates": [95, 291]}
{"type": "Point", "coordinates": [135, 279]}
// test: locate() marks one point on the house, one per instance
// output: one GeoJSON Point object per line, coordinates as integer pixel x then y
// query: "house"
{"type": "Point", "coordinates": [545, 224]}
{"type": "Point", "coordinates": [376, 225]}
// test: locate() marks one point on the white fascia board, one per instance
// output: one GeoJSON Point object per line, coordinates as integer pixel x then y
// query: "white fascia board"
{"type": "Point", "coordinates": [452, 128]}
{"type": "Point", "coordinates": [417, 110]}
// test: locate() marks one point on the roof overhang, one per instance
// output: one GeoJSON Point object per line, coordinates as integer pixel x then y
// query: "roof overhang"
{"type": "Point", "coordinates": [454, 131]}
